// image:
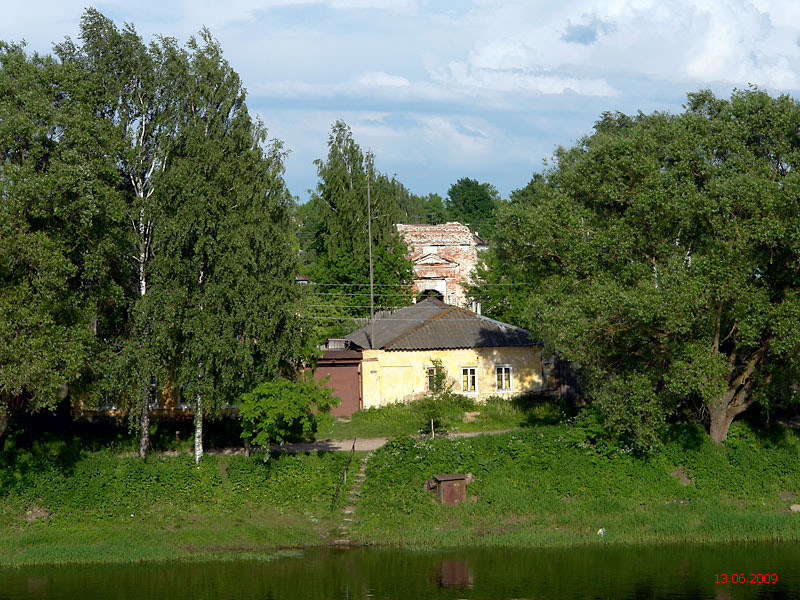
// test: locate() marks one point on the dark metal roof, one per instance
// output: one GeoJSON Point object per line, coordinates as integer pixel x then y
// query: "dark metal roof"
{"type": "Point", "coordinates": [339, 355]}
{"type": "Point", "coordinates": [450, 477]}
{"type": "Point", "coordinates": [431, 324]}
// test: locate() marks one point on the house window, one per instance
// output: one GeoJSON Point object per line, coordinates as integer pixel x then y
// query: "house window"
{"type": "Point", "coordinates": [469, 379]}
{"type": "Point", "coordinates": [504, 378]}
{"type": "Point", "coordinates": [430, 374]}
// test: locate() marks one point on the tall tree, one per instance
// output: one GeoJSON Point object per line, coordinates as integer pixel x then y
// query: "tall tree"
{"type": "Point", "coordinates": [341, 240]}
{"type": "Point", "coordinates": [137, 87]}
{"type": "Point", "coordinates": [435, 211]}
{"type": "Point", "coordinates": [227, 256]}
{"type": "Point", "coordinates": [60, 225]}
{"type": "Point", "coordinates": [664, 254]}
{"type": "Point", "coordinates": [474, 204]}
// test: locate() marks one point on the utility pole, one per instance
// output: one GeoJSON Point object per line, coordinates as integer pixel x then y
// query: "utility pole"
{"type": "Point", "coordinates": [371, 283]}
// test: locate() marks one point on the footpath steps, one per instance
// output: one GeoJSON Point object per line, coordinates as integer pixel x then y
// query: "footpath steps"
{"type": "Point", "coordinates": [348, 512]}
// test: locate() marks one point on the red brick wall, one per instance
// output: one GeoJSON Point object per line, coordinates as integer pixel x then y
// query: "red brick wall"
{"type": "Point", "coordinates": [452, 242]}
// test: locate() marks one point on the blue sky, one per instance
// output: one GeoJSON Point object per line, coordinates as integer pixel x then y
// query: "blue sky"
{"type": "Point", "coordinates": [447, 89]}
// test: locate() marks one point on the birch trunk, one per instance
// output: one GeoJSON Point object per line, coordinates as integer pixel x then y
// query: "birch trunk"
{"type": "Point", "coordinates": [198, 428]}
{"type": "Point", "coordinates": [144, 417]}
{"type": "Point", "coordinates": [144, 428]}
{"type": "Point", "coordinates": [198, 401]}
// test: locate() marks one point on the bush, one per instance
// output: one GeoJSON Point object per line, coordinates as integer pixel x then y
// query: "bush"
{"type": "Point", "coordinates": [280, 410]}
{"type": "Point", "coordinates": [441, 406]}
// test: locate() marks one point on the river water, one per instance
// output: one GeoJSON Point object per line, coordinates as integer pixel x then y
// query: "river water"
{"type": "Point", "coordinates": [676, 571]}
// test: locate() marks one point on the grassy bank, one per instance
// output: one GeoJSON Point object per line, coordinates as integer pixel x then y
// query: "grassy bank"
{"type": "Point", "coordinates": [545, 487]}
{"type": "Point", "coordinates": [462, 416]}
{"type": "Point", "coordinates": [536, 487]}
{"type": "Point", "coordinates": [58, 506]}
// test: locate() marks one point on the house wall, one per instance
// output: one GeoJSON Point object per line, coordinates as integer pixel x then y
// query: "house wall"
{"type": "Point", "coordinates": [400, 375]}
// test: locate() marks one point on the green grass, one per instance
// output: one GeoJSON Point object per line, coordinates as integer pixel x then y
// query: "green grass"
{"type": "Point", "coordinates": [540, 487]}
{"type": "Point", "coordinates": [61, 506]}
{"type": "Point", "coordinates": [534, 487]}
{"type": "Point", "coordinates": [402, 419]}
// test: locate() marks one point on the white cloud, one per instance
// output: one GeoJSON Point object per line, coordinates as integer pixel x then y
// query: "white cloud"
{"type": "Point", "coordinates": [373, 79]}
{"type": "Point", "coordinates": [515, 81]}
{"type": "Point", "coordinates": [438, 87]}
{"type": "Point", "coordinates": [703, 41]}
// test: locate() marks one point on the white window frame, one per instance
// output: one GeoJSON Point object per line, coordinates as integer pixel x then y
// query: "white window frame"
{"type": "Point", "coordinates": [510, 378]}
{"type": "Point", "coordinates": [475, 376]}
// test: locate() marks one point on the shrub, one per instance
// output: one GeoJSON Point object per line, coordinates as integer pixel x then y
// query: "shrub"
{"type": "Point", "coordinates": [279, 410]}
{"type": "Point", "coordinates": [441, 405]}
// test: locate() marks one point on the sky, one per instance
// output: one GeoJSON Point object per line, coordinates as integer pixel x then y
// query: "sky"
{"type": "Point", "coordinates": [444, 89]}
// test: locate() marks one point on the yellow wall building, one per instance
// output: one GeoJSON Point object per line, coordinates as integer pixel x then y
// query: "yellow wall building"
{"type": "Point", "coordinates": [402, 375]}
{"type": "Point", "coordinates": [481, 357]}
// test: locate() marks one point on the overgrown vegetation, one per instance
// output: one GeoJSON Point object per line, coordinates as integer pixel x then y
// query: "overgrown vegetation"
{"type": "Point", "coordinates": [535, 487]}
{"type": "Point", "coordinates": [281, 410]}
{"type": "Point", "coordinates": [458, 414]}
{"type": "Point", "coordinates": [546, 486]}
{"type": "Point", "coordinates": [59, 503]}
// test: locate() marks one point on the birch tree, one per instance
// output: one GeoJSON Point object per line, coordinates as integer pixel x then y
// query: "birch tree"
{"type": "Point", "coordinates": [341, 240]}
{"type": "Point", "coordinates": [228, 251]}
{"type": "Point", "coordinates": [136, 82]}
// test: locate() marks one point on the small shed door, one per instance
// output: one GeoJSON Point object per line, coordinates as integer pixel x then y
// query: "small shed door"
{"type": "Point", "coordinates": [344, 383]}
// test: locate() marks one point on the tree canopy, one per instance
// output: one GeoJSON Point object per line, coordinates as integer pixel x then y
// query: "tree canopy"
{"type": "Point", "coordinates": [474, 204]}
{"type": "Point", "coordinates": [662, 252]}
{"type": "Point", "coordinates": [60, 215]}
{"type": "Point", "coordinates": [339, 235]}
{"type": "Point", "coordinates": [145, 226]}
{"type": "Point", "coordinates": [224, 272]}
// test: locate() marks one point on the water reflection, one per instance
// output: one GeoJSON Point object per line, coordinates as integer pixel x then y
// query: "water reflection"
{"type": "Point", "coordinates": [490, 574]}
{"type": "Point", "coordinates": [453, 573]}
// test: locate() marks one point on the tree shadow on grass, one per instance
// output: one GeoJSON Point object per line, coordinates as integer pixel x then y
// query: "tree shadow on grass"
{"type": "Point", "coordinates": [538, 410]}
{"type": "Point", "coordinates": [775, 436]}
{"type": "Point", "coordinates": [687, 436]}
{"type": "Point", "coordinates": [22, 464]}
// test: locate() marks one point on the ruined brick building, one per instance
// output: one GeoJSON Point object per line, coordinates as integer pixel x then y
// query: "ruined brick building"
{"type": "Point", "coordinates": [444, 256]}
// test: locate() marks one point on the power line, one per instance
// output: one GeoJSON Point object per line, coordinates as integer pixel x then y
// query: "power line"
{"type": "Point", "coordinates": [356, 306]}
{"type": "Point", "coordinates": [384, 319]}
{"type": "Point", "coordinates": [407, 285]}
{"type": "Point", "coordinates": [385, 295]}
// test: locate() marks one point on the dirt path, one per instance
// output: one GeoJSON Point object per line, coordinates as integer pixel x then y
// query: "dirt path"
{"type": "Point", "coordinates": [362, 444]}
{"type": "Point", "coordinates": [349, 510]}
{"type": "Point", "coordinates": [366, 444]}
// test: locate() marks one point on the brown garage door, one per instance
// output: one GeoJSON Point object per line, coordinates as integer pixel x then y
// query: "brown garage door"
{"type": "Point", "coordinates": [342, 366]}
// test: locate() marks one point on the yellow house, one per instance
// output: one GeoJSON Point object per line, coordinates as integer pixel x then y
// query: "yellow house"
{"type": "Point", "coordinates": [481, 357]}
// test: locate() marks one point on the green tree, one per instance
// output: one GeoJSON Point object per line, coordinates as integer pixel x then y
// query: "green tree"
{"type": "Point", "coordinates": [213, 306]}
{"type": "Point", "coordinates": [224, 275]}
{"type": "Point", "coordinates": [341, 240]}
{"type": "Point", "coordinates": [663, 253]}
{"type": "Point", "coordinates": [441, 406]}
{"type": "Point", "coordinates": [61, 217]}
{"type": "Point", "coordinates": [281, 409]}
{"type": "Point", "coordinates": [474, 204]}
{"type": "Point", "coordinates": [435, 211]}
{"type": "Point", "coordinates": [137, 87]}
